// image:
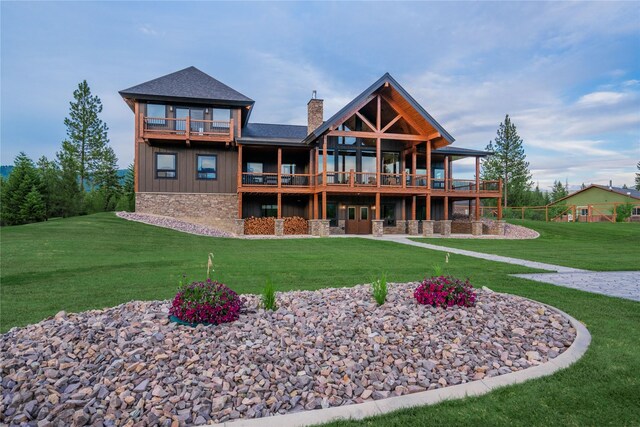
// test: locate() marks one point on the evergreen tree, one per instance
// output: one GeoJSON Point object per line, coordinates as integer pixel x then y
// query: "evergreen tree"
{"type": "Point", "coordinates": [23, 179]}
{"type": "Point", "coordinates": [558, 191]}
{"type": "Point", "coordinates": [509, 163]}
{"type": "Point", "coordinates": [129, 190]}
{"type": "Point", "coordinates": [33, 208]}
{"type": "Point", "coordinates": [86, 132]}
{"type": "Point", "coordinates": [106, 179]}
{"type": "Point", "coordinates": [69, 193]}
{"type": "Point", "coordinates": [49, 173]}
{"type": "Point", "coordinates": [638, 177]}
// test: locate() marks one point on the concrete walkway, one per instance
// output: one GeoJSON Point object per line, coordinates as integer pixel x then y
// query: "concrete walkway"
{"type": "Point", "coordinates": [622, 284]}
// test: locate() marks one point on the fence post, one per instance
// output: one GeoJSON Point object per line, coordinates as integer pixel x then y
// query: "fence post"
{"type": "Point", "coordinates": [546, 214]}
{"type": "Point", "coordinates": [522, 209]}
{"type": "Point", "coordinates": [573, 209]}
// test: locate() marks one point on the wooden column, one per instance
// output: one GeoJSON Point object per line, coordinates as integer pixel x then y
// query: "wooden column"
{"type": "Point", "coordinates": [477, 175]}
{"type": "Point", "coordinates": [310, 210]}
{"type": "Point", "coordinates": [324, 205]}
{"type": "Point", "coordinates": [239, 205]}
{"type": "Point", "coordinates": [546, 214]}
{"type": "Point", "coordinates": [239, 165]}
{"type": "Point", "coordinates": [499, 208]}
{"type": "Point", "coordinates": [324, 162]}
{"type": "Point", "coordinates": [378, 161]}
{"type": "Point", "coordinates": [446, 173]}
{"type": "Point", "coordinates": [315, 206]}
{"type": "Point", "coordinates": [446, 207]}
{"type": "Point", "coordinates": [378, 115]}
{"type": "Point", "coordinates": [310, 167]}
{"type": "Point", "coordinates": [477, 208]}
{"type": "Point", "coordinates": [279, 205]}
{"type": "Point", "coordinates": [429, 165]}
{"type": "Point", "coordinates": [413, 208]}
{"type": "Point", "coordinates": [279, 167]}
{"type": "Point", "coordinates": [136, 139]}
{"type": "Point", "coordinates": [404, 209]}
{"type": "Point", "coordinates": [377, 205]}
{"type": "Point", "coordinates": [414, 160]}
{"type": "Point", "coordinates": [316, 165]}
{"type": "Point", "coordinates": [428, 208]}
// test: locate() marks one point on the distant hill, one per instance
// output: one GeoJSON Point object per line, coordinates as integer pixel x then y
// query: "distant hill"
{"type": "Point", "coordinates": [5, 171]}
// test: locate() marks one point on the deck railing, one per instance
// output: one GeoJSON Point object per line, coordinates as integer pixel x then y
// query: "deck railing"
{"type": "Point", "coordinates": [187, 127]}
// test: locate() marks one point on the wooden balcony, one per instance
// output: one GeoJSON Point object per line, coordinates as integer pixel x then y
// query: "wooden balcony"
{"type": "Point", "coordinates": [344, 182]}
{"type": "Point", "coordinates": [187, 129]}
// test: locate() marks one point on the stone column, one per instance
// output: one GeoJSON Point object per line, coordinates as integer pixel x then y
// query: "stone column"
{"type": "Point", "coordinates": [401, 226]}
{"type": "Point", "coordinates": [412, 225]}
{"type": "Point", "coordinates": [239, 227]}
{"type": "Point", "coordinates": [500, 225]}
{"type": "Point", "coordinates": [323, 227]}
{"type": "Point", "coordinates": [342, 226]}
{"type": "Point", "coordinates": [446, 227]}
{"type": "Point", "coordinates": [476, 228]}
{"type": "Point", "coordinates": [313, 227]}
{"type": "Point", "coordinates": [377, 226]}
{"type": "Point", "coordinates": [279, 227]}
{"type": "Point", "coordinates": [427, 228]}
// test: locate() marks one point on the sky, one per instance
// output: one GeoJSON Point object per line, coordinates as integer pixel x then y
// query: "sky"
{"type": "Point", "coordinates": [568, 74]}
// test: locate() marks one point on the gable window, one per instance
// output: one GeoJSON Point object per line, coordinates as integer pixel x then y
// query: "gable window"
{"type": "Point", "coordinates": [166, 165]}
{"type": "Point", "coordinates": [389, 215]}
{"type": "Point", "coordinates": [269, 210]}
{"type": "Point", "coordinates": [207, 166]}
{"type": "Point", "coordinates": [156, 114]}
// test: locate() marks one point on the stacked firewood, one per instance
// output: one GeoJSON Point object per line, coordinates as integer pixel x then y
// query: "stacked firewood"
{"type": "Point", "coordinates": [255, 225]}
{"type": "Point", "coordinates": [295, 225]}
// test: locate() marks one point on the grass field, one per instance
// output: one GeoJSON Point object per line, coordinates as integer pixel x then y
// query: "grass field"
{"type": "Point", "coordinates": [596, 246]}
{"type": "Point", "coordinates": [97, 261]}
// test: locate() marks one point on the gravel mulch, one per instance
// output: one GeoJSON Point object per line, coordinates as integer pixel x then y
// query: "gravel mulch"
{"type": "Point", "coordinates": [175, 224]}
{"type": "Point", "coordinates": [130, 365]}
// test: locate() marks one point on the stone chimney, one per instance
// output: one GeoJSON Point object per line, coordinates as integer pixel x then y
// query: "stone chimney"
{"type": "Point", "coordinates": [315, 113]}
{"type": "Point", "coordinates": [610, 184]}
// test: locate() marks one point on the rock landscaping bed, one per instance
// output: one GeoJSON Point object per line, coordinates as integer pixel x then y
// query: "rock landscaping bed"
{"type": "Point", "coordinates": [331, 347]}
{"type": "Point", "coordinates": [175, 224]}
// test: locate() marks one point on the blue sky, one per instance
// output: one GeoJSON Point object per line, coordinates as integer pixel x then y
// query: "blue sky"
{"type": "Point", "coordinates": [567, 73]}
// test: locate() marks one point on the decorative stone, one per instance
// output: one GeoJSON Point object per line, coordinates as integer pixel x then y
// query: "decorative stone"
{"type": "Point", "coordinates": [279, 227]}
{"type": "Point", "coordinates": [445, 227]}
{"type": "Point", "coordinates": [377, 227]}
{"type": "Point", "coordinates": [413, 227]}
{"type": "Point", "coordinates": [427, 228]}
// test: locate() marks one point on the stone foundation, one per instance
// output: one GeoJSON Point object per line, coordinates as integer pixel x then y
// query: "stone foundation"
{"type": "Point", "coordinates": [476, 228]}
{"type": "Point", "coordinates": [319, 227]}
{"type": "Point", "coordinates": [239, 227]}
{"type": "Point", "coordinates": [377, 226]}
{"type": "Point", "coordinates": [445, 227]}
{"type": "Point", "coordinates": [399, 228]}
{"type": "Point", "coordinates": [340, 228]}
{"type": "Point", "coordinates": [461, 227]}
{"type": "Point", "coordinates": [217, 209]}
{"type": "Point", "coordinates": [427, 228]}
{"type": "Point", "coordinates": [412, 227]}
{"type": "Point", "coordinates": [279, 227]}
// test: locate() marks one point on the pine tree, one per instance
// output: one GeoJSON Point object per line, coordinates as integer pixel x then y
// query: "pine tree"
{"type": "Point", "coordinates": [33, 208]}
{"type": "Point", "coordinates": [509, 163]}
{"type": "Point", "coordinates": [49, 173]}
{"type": "Point", "coordinates": [638, 177]}
{"type": "Point", "coordinates": [558, 191]}
{"type": "Point", "coordinates": [70, 195]}
{"type": "Point", "coordinates": [86, 132]}
{"type": "Point", "coordinates": [106, 178]}
{"type": "Point", "coordinates": [23, 179]}
{"type": "Point", "coordinates": [129, 189]}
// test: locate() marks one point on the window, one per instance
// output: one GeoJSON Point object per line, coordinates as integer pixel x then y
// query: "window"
{"type": "Point", "coordinates": [390, 162]}
{"type": "Point", "coordinates": [207, 166]}
{"type": "Point", "coordinates": [635, 211]}
{"type": "Point", "coordinates": [364, 213]}
{"type": "Point", "coordinates": [165, 165]}
{"type": "Point", "coordinates": [288, 169]}
{"type": "Point", "coordinates": [269, 210]}
{"type": "Point", "coordinates": [583, 211]}
{"type": "Point", "coordinates": [221, 115]}
{"type": "Point", "coordinates": [389, 215]}
{"type": "Point", "coordinates": [351, 213]}
{"type": "Point", "coordinates": [156, 114]}
{"type": "Point", "coordinates": [254, 167]}
{"type": "Point", "coordinates": [332, 214]}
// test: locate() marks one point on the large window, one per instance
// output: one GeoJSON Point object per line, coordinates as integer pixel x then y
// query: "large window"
{"type": "Point", "coordinates": [207, 167]}
{"type": "Point", "coordinates": [269, 210]}
{"type": "Point", "coordinates": [156, 114]}
{"type": "Point", "coordinates": [166, 165]}
{"type": "Point", "coordinates": [391, 162]}
{"type": "Point", "coordinates": [221, 115]}
{"type": "Point", "coordinates": [389, 215]}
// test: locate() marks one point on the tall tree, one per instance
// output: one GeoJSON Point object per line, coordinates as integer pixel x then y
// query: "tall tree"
{"type": "Point", "coordinates": [22, 181]}
{"type": "Point", "coordinates": [49, 173]}
{"type": "Point", "coordinates": [638, 177]}
{"type": "Point", "coordinates": [558, 191]}
{"type": "Point", "coordinates": [508, 163]}
{"type": "Point", "coordinates": [86, 131]}
{"type": "Point", "coordinates": [129, 190]}
{"type": "Point", "coordinates": [70, 194]}
{"type": "Point", "coordinates": [106, 178]}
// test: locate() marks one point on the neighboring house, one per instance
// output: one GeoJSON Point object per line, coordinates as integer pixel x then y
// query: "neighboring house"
{"type": "Point", "coordinates": [380, 164]}
{"type": "Point", "coordinates": [600, 203]}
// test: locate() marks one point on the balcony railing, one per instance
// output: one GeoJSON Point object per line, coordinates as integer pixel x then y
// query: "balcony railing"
{"type": "Point", "coordinates": [186, 128]}
{"type": "Point", "coordinates": [271, 179]}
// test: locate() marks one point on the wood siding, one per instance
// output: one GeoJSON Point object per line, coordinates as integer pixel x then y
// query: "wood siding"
{"type": "Point", "coordinates": [186, 164]}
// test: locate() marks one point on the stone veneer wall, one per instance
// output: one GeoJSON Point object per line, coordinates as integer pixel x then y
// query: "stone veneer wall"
{"type": "Point", "coordinates": [218, 207]}
{"type": "Point", "coordinates": [461, 227]}
{"type": "Point", "coordinates": [399, 228]}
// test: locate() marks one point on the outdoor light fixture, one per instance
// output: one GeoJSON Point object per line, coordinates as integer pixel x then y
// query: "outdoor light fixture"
{"type": "Point", "coordinates": [170, 107]}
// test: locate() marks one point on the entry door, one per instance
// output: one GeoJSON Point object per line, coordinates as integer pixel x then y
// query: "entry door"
{"type": "Point", "coordinates": [358, 220]}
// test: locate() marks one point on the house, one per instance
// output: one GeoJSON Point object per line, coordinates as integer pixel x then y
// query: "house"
{"type": "Point", "coordinates": [599, 203]}
{"type": "Point", "coordinates": [382, 164]}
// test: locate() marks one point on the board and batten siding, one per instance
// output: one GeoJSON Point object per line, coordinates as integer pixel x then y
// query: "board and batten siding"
{"type": "Point", "coordinates": [186, 164]}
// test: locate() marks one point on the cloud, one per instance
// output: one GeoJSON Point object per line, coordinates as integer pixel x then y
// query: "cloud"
{"type": "Point", "coordinates": [596, 99]}
{"type": "Point", "coordinates": [148, 30]}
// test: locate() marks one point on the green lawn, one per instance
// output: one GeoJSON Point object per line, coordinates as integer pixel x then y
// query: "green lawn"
{"type": "Point", "coordinates": [595, 246]}
{"type": "Point", "coordinates": [99, 260]}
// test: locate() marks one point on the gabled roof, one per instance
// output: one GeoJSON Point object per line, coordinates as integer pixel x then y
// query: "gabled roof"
{"type": "Point", "coordinates": [386, 78]}
{"type": "Point", "coordinates": [189, 84]}
{"type": "Point", "coordinates": [630, 192]}
{"type": "Point", "coordinates": [463, 152]}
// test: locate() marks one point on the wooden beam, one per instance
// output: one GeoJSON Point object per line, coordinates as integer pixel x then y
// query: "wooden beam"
{"type": "Point", "coordinates": [364, 119]}
{"type": "Point", "coordinates": [428, 208]}
{"type": "Point", "coordinates": [315, 205]}
{"type": "Point", "coordinates": [378, 114]}
{"type": "Point", "coordinates": [398, 109]}
{"type": "Point", "coordinates": [239, 205]}
{"type": "Point", "coordinates": [136, 139]}
{"type": "Point", "coordinates": [372, 135]}
{"type": "Point", "coordinates": [279, 205]}
{"type": "Point", "coordinates": [446, 208]}
{"type": "Point", "coordinates": [477, 175]}
{"type": "Point", "coordinates": [377, 205]}
{"type": "Point", "coordinates": [391, 123]}
{"type": "Point", "coordinates": [446, 173]}
{"type": "Point", "coordinates": [324, 160]}
{"type": "Point", "coordinates": [310, 210]}
{"type": "Point", "coordinates": [279, 167]}
{"type": "Point", "coordinates": [414, 161]}
{"type": "Point", "coordinates": [378, 161]}
{"type": "Point", "coordinates": [477, 208]}
{"type": "Point", "coordinates": [428, 165]}
{"type": "Point", "coordinates": [413, 208]}
{"type": "Point", "coordinates": [239, 165]}
{"type": "Point", "coordinates": [324, 205]}
{"type": "Point", "coordinates": [353, 110]}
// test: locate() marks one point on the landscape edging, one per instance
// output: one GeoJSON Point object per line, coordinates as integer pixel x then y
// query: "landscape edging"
{"type": "Point", "coordinates": [360, 411]}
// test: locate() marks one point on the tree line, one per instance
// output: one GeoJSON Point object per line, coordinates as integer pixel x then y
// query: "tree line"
{"type": "Point", "coordinates": [83, 177]}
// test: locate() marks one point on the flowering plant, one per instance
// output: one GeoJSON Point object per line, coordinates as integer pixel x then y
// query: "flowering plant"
{"type": "Point", "coordinates": [208, 302]}
{"type": "Point", "coordinates": [445, 291]}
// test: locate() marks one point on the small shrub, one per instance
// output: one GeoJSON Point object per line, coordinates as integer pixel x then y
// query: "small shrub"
{"type": "Point", "coordinates": [445, 291]}
{"type": "Point", "coordinates": [269, 296]}
{"type": "Point", "coordinates": [208, 302]}
{"type": "Point", "coordinates": [623, 212]}
{"type": "Point", "coordinates": [379, 289]}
